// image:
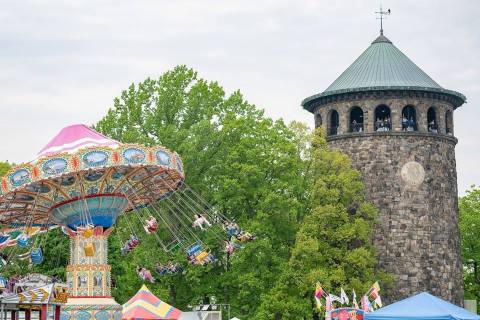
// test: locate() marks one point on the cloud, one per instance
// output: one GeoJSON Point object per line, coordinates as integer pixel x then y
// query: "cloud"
{"type": "Point", "coordinates": [63, 62]}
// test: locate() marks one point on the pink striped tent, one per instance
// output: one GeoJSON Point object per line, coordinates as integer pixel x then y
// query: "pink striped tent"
{"type": "Point", "coordinates": [144, 305]}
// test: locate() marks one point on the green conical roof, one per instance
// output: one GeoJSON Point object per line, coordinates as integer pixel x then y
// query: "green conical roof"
{"type": "Point", "coordinates": [382, 66]}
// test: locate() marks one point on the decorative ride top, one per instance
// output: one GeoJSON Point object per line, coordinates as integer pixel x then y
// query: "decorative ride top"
{"type": "Point", "coordinates": [84, 178]}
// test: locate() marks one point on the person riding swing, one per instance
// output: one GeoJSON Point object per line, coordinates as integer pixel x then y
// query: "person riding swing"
{"type": "Point", "coordinates": [151, 225]}
{"type": "Point", "coordinates": [130, 244]}
{"type": "Point", "coordinates": [200, 221]}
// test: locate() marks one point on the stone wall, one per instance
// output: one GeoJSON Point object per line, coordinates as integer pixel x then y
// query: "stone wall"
{"type": "Point", "coordinates": [411, 178]}
{"type": "Point", "coordinates": [368, 105]}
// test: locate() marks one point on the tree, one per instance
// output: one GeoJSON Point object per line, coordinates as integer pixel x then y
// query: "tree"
{"type": "Point", "coordinates": [469, 206]}
{"type": "Point", "coordinates": [4, 167]}
{"type": "Point", "coordinates": [245, 164]}
{"type": "Point", "coordinates": [334, 241]}
{"type": "Point", "coordinates": [303, 202]}
{"type": "Point", "coordinates": [54, 245]}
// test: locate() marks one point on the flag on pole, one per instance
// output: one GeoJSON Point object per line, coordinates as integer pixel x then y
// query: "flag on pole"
{"type": "Point", "coordinates": [365, 303]}
{"type": "Point", "coordinates": [319, 303]}
{"type": "Point", "coordinates": [318, 295]}
{"type": "Point", "coordinates": [354, 298]}
{"type": "Point", "coordinates": [319, 290]}
{"type": "Point", "coordinates": [328, 303]}
{"type": "Point", "coordinates": [335, 298]}
{"type": "Point", "coordinates": [344, 297]}
{"type": "Point", "coordinates": [378, 301]}
{"type": "Point", "coordinates": [375, 295]}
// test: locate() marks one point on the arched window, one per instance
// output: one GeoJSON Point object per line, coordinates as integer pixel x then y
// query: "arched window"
{"type": "Point", "coordinates": [449, 122]}
{"type": "Point", "coordinates": [409, 119]}
{"type": "Point", "coordinates": [356, 120]}
{"type": "Point", "coordinates": [334, 123]}
{"type": "Point", "coordinates": [432, 120]}
{"type": "Point", "coordinates": [318, 120]}
{"type": "Point", "coordinates": [382, 119]}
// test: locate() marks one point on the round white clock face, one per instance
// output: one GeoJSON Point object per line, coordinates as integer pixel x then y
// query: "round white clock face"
{"type": "Point", "coordinates": [413, 173]}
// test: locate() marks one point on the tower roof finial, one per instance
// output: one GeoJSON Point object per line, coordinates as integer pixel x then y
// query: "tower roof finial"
{"type": "Point", "coordinates": [382, 16]}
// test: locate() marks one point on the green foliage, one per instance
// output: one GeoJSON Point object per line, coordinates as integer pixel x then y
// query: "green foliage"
{"type": "Point", "coordinates": [248, 166]}
{"type": "Point", "coordinates": [470, 244]}
{"type": "Point", "coordinates": [56, 250]}
{"type": "Point", "coordinates": [55, 246]}
{"type": "Point", "coordinates": [4, 167]}
{"type": "Point", "coordinates": [304, 204]}
{"type": "Point", "coordinates": [333, 242]}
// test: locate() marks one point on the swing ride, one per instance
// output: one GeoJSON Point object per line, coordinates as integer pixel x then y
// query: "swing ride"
{"type": "Point", "coordinates": [83, 182]}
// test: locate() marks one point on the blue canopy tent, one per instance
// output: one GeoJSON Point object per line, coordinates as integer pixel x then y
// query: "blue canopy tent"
{"type": "Point", "coordinates": [422, 306]}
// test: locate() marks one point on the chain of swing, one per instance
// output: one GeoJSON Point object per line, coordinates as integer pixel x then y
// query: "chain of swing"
{"type": "Point", "coordinates": [184, 216]}
{"type": "Point", "coordinates": [178, 220]}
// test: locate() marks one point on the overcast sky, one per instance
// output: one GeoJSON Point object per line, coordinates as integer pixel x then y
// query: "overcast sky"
{"type": "Point", "coordinates": [63, 62]}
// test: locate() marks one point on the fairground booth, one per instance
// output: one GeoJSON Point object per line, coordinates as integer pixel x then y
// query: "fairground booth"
{"type": "Point", "coordinates": [39, 303]}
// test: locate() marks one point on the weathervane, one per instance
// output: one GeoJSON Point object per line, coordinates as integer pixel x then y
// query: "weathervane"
{"type": "Point", "coordinates": [382, 14]}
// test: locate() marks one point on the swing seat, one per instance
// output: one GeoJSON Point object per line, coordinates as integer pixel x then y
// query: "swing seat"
{"type": "Point", "coordinates": [89, 250]}
{"type": "Point", "coordinates": [201, 256]}
{"type": "Point", "coordinates": [193, 249]}
{"type": "Point", "coordinates": [174, 245]}
{"type": "Point", "coordinates": [88, 231]}
{"type": "Point", "coordinates": [177, 269]}
{"type": "Point", "coordinates": [36, 256]}
{"type": "Point", "coordinates": [164, 271]}
{"type": "Point", "coordinates": [23, 242]}
{"type": "Point", "coordinates": [3, 282]}
{"type": "Point", "coordinates": [232, 232]}
{"type": "Point", "coordinates": [245, 237]}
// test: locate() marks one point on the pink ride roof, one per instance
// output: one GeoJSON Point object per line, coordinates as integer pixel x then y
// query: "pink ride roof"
{"type": "Point", "coordinates": [144, 305]}
{"type": "Point", "coordinates": [73, 138]}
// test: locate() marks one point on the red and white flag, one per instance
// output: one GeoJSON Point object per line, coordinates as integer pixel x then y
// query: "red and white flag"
{"type": "Point", "coordinates": [365, 303]}
{"type": "Point", "coordinates": [373, 293]}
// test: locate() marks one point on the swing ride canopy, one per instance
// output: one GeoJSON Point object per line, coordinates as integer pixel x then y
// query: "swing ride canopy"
{"type": "Point", "coordinates": [84, 178]}
{"type": "Point", "coordinates": [144, 305]}
{"type": "Point", "coordinates": [422, 306]}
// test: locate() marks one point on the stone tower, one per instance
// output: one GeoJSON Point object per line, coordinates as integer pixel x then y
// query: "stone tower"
{"type": "Point", "coordinates": [396, 125]}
